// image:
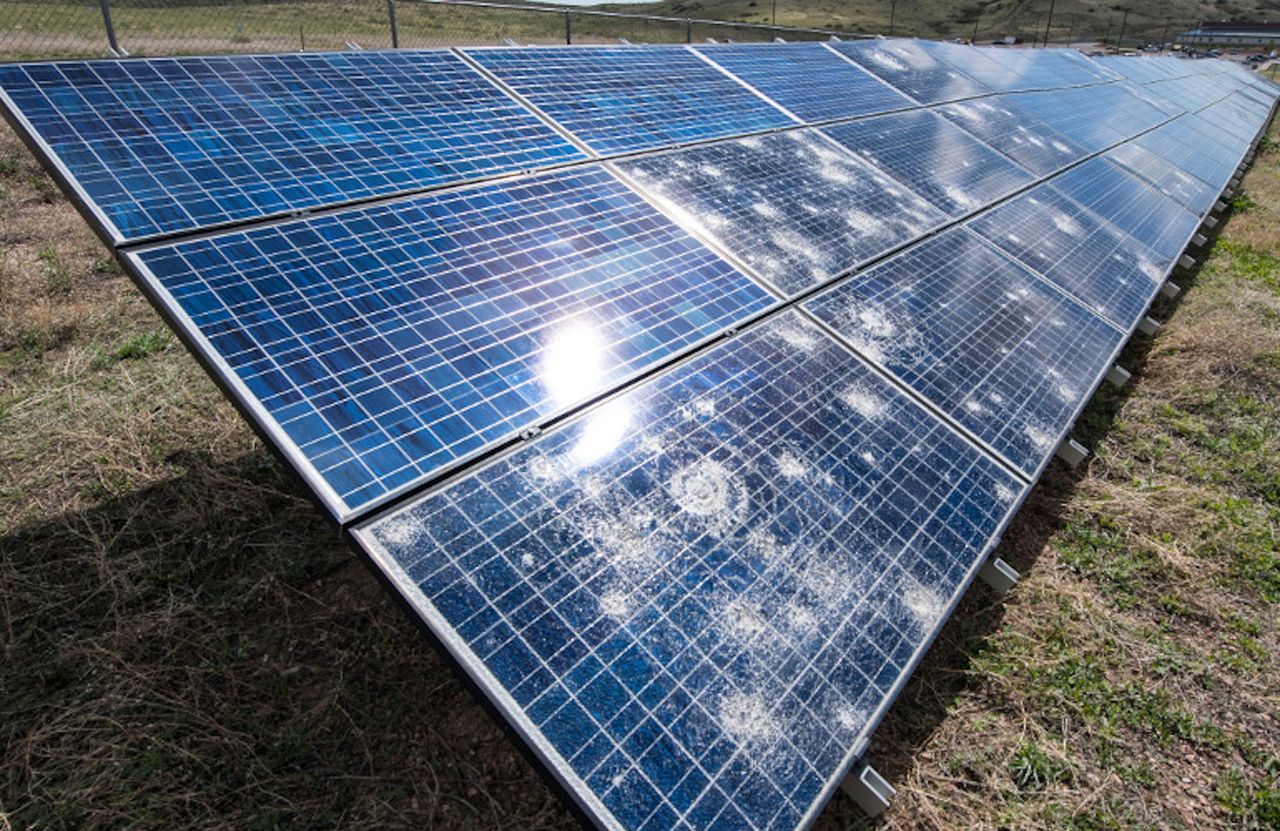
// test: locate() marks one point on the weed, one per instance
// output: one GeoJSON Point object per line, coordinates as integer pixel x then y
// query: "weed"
{"type": "Point", "coordinates": [1261, 267]}
{"type": "Point", "coordinates": [141, 345]}
{"type": "Point", "coordinates": [1032, 769]}
{"type": "Point", "coordinates": [56, 274]}
{"type": "Point", "coordinates": [1242, 202]}
{"type": "Point", "coordinates": [1252, 806]}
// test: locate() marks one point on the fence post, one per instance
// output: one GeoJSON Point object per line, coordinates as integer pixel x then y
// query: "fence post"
{"type": "Point", "coordinates": [111, 29]}
{"type": "Point", "coordinates": [568, 28]}
{"type": "Point", "coordinates": [395, 31]}
{"type": "Point", "coordinates": [688, 30]}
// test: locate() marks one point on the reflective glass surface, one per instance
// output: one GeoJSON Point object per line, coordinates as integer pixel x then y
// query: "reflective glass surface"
{"type": "Point", "coordinates": [1000, 122]}
{"type": "Point", "coordinates": [992, 346]}
{"type": "Point", "coordinates": [174, 144]}
{"type": "Point", "coordinates": [1136, 208]}
{"type": "Point", "coordinates": [793, 206]}
{"type": "Point", "coordinates": [696, 598]}
{"type": "Point", "coordinates": [813, 82]}
{"type": "Point", "coordinates": [938, 160]}
{"type": "Point", "coordinates": [624, 98]}
{"type": "Point", "coordinates": [909, 67]}
{"type": "Point", "coordinates": [389, 341]}
{"type": "Point", "coordinates": [1110, 272]}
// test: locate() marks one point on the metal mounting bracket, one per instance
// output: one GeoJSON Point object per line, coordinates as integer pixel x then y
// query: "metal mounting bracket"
{"type": "Point", "coordinates": [1199, 240]}
{"type": "Point", "coordinates": [1149, 326]}
{"type": "Point", "coordinates": [1187, 262]}
{"type": "Point", "coordinates": [868, 789]}
{"type": "Point", "coordinates": [1118, 376]}
{"type": "Point", "coordinates": [999, 575]}
{"type": "Point", "coordinates": [1210, 222]}
{"type": "Point", "coordinates": [1072, 452]}
{"type": "Point", "coordinates": [1170, 289]}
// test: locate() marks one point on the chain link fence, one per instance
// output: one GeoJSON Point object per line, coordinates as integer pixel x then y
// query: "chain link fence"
{"type": "Point", "coordinates": [37, 29]}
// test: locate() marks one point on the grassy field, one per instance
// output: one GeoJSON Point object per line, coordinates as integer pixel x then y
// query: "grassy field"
{"type": "Point", "coordinates": [186, 644]}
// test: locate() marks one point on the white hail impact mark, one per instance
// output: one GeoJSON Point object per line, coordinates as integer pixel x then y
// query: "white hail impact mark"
{"type": "Point", "coordinates": [872, 320]}
{"type": "Point", "coordinates": [974, 406]}
{"type": "Point", "coordinates": [961, 197]}
{"type": "Point", "coordinates": [1060, 147]}
{"type": "Point", "coordinates": [861, 223]}
{"type": "Point", "coordinates": [623, 540]}
{"type": "Point", "coordinates": [542, 468]}
{"type": "Point", "coordinates": [886, 60]}
{"type": "Point", "coordinates": [765, 210]}
{"type": "Point", "coordinates": [864, 402]}
{"type": "Point", "coordinates": [526, 560]}
{"type": "Point", "coordinates": [746, 719]}
{"type": "Point", "coordinates": [699, 408]}
{"type": "Point", "coordinates": [1067, 224]}
{"type": "Point", "coordinates": [1038, 436]}
{"type": "Point", "coordinates": [704, 488]}
{"type": "Point", "coordinates": [1004, 493]}
{"type": "Point", "coordinates": [743, 620]}
{"type": "Point", "coordinates": [796, 336]}
{"type": "Point", "coordinates": [614, 604]}
{"type": "Point", "coordinates": [791, 467]}
{"type": "Point", "coordinates": [850, 717]}
{"type": "Point", "coordinates": [924, 604]}
{"type": "Point", "coordinates": [401, 531]}
{"type": "Point", "coordinates": [800, 617]}
{"type": "Point", "coordinates": [765, 544]}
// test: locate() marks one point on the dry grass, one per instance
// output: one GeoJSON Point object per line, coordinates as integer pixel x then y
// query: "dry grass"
{"type": "Point", "coordinates": [186, 644]}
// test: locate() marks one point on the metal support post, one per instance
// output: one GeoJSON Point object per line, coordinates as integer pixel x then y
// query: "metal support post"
{"type": "Point", "coordinates": [1210, 222]}
{"type": "Point", "coordinates": [1149, 326]}
{"type": "Point", "coordinates": [688, 30]}
{"type": "Point", "coordinates": [111, 29]}
{"type": "Point", "coordinates": [395, 30]}
{"type": "Point", "coordinates": [1170, 289]}
{"type": "Point", "coordinates": [1123, 21]}
{"type": "Point", "coordinates": [868, 789]}
{"type": "Point", "coordinates": [568, 27]}
{"type": "Point", "coordinates": [1072, 452]}
{"type": "Point", "coordinates": [1186, 262]}
{"type": "Point", "coordinates": [1118, 376]}
{"type": "Point", "coordinates": [1199, 240]}
{"type": "Point", "coordinates": [999, 575]}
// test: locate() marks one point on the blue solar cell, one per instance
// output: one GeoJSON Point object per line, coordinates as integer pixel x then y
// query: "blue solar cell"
{"type": "Point", "coordinates": [810, 80]}
{"type": "Point", "coordinates": [793, 206]}
{"type": "Point", "coordinates": [1092, 118]}
{"type": "Point", "coordinates": [908, 66]}
{"type": "Point", "coordinates": [1182, 187]}
{"type": "Point", "coordinates": [1046, 68]}
{"type": "Point", "coordinates": [1110, 272]}
{"type": "Point", "coordinates": [1186, 144]}
{"type": "Point", "coordinates": [1135, 208]}
{"type": "Point", "coordinates": [623, 98]}
{"type": "Point", "coordinates": [980, 65]}
{"type": "Point", "coordinates": [696, 600]}
{"type": "Point", "coordinates": [938, 160]}
{"type": "Point", "coordinates": [168, 145]}
{"type": "Point", "coordinates": [1000, 123]}
{"type": "Point", "coordinates": [988, 343]}
{"type": "Point", "coordinates": [386, 343]}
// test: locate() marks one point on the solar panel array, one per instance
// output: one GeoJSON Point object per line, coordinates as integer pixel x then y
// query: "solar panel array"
{"type": "Point", "coordinates": [680, 391]}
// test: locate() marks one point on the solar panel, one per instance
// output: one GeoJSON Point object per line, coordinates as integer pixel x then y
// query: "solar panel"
{"type": "Point", "coordinates": [1186, 144]}
{"type": "Point", "coordinates": [908, 67]}
{"type": "Point", "coordinates": [381, 345]}
{"type": "Point", "coordinates": [1047, 68]}
{"type": "Point", "coordinates": [1182, 187]}
{"type": "Point", "coordinates": [695, 601]}
{"type": "Point", "coordinates": [811, 81]}
{"type": "Point", "coordinates": [997, 121]}
{"type": "Point", "coordinates": [793, 206]}
{"type": "Point", "coordinates": [168, 145]}
{"type": "Point", "coordinates": [1108, 271]}
{"type": "Point", "coordinates": [979, 65]}
{"type": "Point", "coordinates": [938, 160]}
{"type": "Point", "coordinates": [979, 337]}
{"type": "Point", "coordinates": [625, 98]}
{"type": "Point", "coordinates": [1141, 211]}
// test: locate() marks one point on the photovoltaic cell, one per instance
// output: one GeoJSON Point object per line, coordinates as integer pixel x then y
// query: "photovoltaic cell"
{"type": "Point", "coordinates": [999, 122]}
{"type": "Point", "coordinates": [1045, 68]}
{"type": "Point", "coordinates": [1123, 200]}
{"type": "Point", "coordinates": [793, 206]}
{"type": "Point", "coordinates": [908, 67]}
{"type": "Point", "coordinates": [1110, 272]}
{"type": "Point", "coordinates": [624, 98]}
{"type": "Point", "coordinates": [1177, 184]}
{"type": "Point", "coordinates": [938, 160]}
{"type": "Point", "coordinates": [811, 81]}
{"type": "Point", "coordinates": [978, 336]}
{"type": "Point", "coordinates": [696, 599]}
{"type": "Point", "coordinates": [975, 64]}
{"type": "Point", "coordinates": [385, 343]}
{"type": "Point", "coordinates": [176, 144]}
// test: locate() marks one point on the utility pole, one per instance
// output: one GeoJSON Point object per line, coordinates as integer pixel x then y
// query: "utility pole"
{"type": "Point", "coordinates": [893, 12]}
{"type": "Point", "coordinates": [1123, 21]}
{"type": "Point", "coordinates": [775, 12]}
{"type": "Point", "coordinates": [974, 40]}
{"type": "Point", "coordinates": [1047, 25]}
{"type": "Point", "coordinates": [1164, 39]}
